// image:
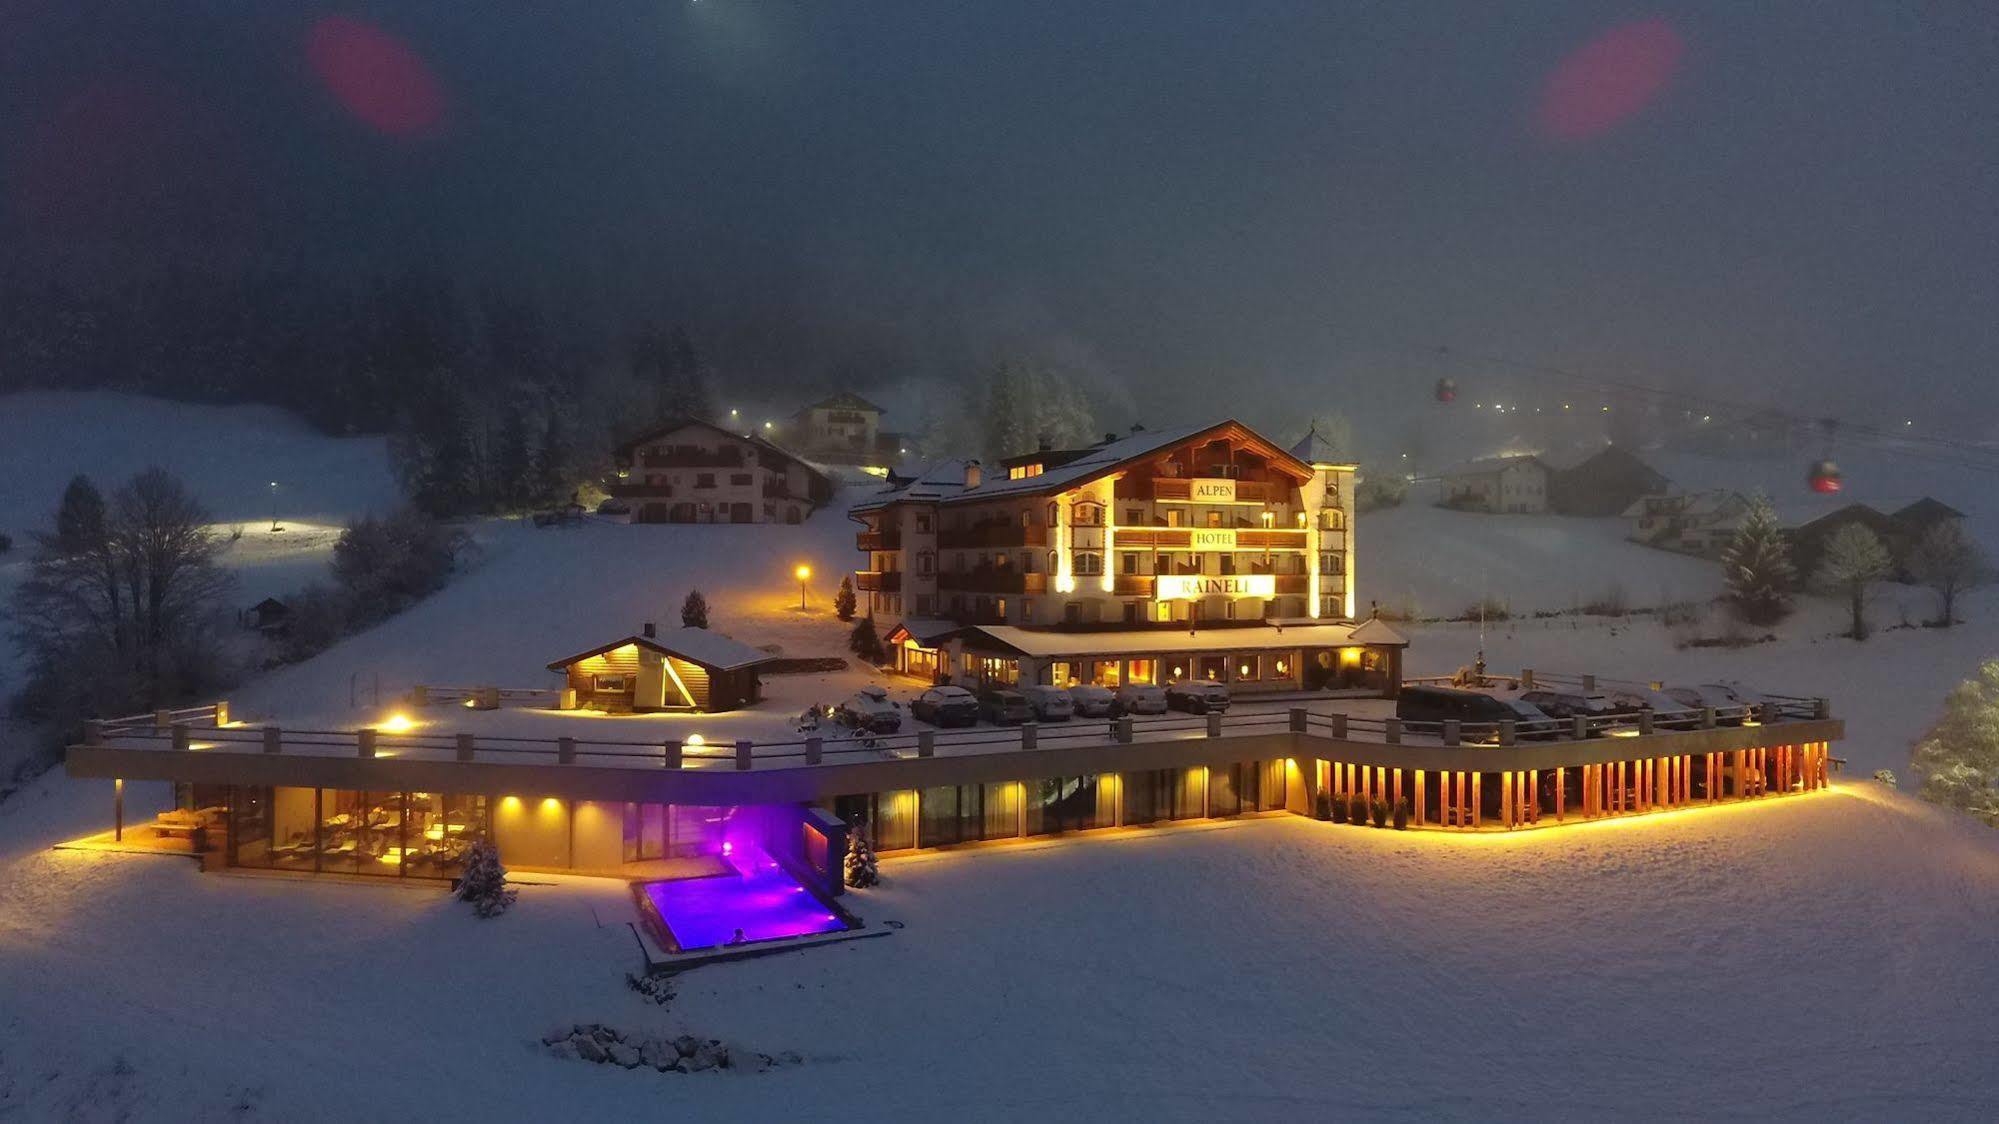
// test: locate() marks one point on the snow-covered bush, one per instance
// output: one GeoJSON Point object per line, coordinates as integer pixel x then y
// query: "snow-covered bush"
{"type": "Point", "coordinates": [1402, 815]}
{"type": "Point", "coordinates": [1949, 562]}
{"type": "Point", "coordinates": [843, 601]}
{"type": "Point", "coordinates": [694, 610]}
{"type": "Point", "coordinates": [860, 869]}
{"type": "Point", "coordinates": [1322, 806]}
{"type": "Point", "coordinates": [1756, 564]}
{"type": "Point", "coordinates": [1377, 811]}
{"type": "Point", "coordinates": [1337, 808]}
{"type": "Point", "coordinates": [1958, 761]}
{"type": "Point", "coordinates": [1357, 811]}
{"type": "Point", "coordinates": [1885, 776]}
{"type": "Point", "coordinates": [385, 565]}
{"type": "Point", "coordinates": [484, 882]}
{"type": "Point", "coordinates": [863, 642]}
{"type": "Point", "coordinates": [1380, 490]}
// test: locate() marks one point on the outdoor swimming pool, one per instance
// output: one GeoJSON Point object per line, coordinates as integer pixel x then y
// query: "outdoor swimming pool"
{"type": "Point", "coordinates": [761, 902]}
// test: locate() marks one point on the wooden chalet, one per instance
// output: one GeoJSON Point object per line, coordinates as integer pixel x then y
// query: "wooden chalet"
{"type": "Point", "coordinates": [687, 669]}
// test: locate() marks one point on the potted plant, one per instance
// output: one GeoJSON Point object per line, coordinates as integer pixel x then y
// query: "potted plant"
{"type": "Point", "coordinates": [1337, 806]}
{"type": "Point", "coordinates": [1402, 815]}
{"type": "Point", "coordinates": [1322, 808]}
{"type": "Point", "coordinates": [1378, 810]}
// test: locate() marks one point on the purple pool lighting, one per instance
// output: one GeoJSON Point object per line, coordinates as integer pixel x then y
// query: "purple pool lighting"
{"type": "Point", "coordinates": [760, 899]}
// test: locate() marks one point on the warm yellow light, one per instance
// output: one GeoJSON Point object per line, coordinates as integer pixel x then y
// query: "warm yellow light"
{"type": "Point", "coordinates": [1623, 732]}
{"type": "Point", "coordinates": [802, 572]}
{"type": "Point", "coordinates": [470, 703]}
{"type": "Point", "coordinates": [550, 804]}
{"type": "Point", "coordinates": [511, 803]}
{"type": "Point", "coordinates": [1243, 671]}
{"type": "Point", "coordinates": [696, 740]}
{"type": "Point", "coordinates": [397, 723]}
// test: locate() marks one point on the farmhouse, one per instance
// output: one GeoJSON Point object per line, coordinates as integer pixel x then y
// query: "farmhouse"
{"type": "Point", "coordinates": [687, 669]}
{"type": "Point", "coordinates": [1197, 552]}
{"type": "Point", "coordinates": [1515, 485]}
{"type": "Point", "coordinates": [843, 429]}
{"type": "Point", "coordinates": [691, 471]}
{"type": "Point", "coordinates": [1699, 523]}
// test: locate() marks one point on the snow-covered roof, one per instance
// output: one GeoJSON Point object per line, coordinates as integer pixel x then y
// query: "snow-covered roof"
{"type": "Point", "coordinates": [924, 631]}
{"type": "Point", "coordinates": [934, 483]}
{"type": "Point", "coordinates": [1489, 465]}
{"type": "Point", "coordinates": [1139, 642]}
{"type": "Point", "coordinates": [711, 650]}
{"type": "Point", "coordinates": [1712, 502]}
{"type": "Point", "coordinates": [1316, 450]}
{"type": "Point", "coordinates": [1091, 464]}
{"type": "Point", "coordinates": [845, 400]}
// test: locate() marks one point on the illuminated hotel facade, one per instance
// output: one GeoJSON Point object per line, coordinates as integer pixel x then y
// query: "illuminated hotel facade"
{"type": "Point", "coordinates": [1202, 552]}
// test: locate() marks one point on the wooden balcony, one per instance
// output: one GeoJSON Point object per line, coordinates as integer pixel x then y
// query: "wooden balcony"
{"type": "Point", "coordinates": [878, 581]}
{"type": "Point", "coordinates": [1133, 585]}
{"type": "Point", "coordinates": [1294, 583]}
{"type": "Point", "coordinates": [878, 540]}
{"type": "Point", "coordinates": [992, 580]}
{"type": "Point", "coordinates": [1288, 539]}
{"type": "Point", "coordinates": [1158, 538]}
{"type": "Point", "coordinates": [692, 458]}
{"type": "Point", "coordinates": [1180, 489]}
{"type": "Point", "coordinates": [992, 535]}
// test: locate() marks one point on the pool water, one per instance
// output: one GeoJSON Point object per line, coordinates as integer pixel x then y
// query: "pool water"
{"type": "Point", "coordinates": [760, 899]}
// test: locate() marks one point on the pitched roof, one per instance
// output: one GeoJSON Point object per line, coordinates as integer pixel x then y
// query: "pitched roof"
{"type": "Point", "coordinates": [845, 400]}
{"type": "Point", "coordinates": [932, 483]}
{"type": "Point", "coordinates": [675, 425]}
{"type": "Point", "coordinates": [711, 650]}
{"type": "Point", "coordinates": [1314, 449]}
{"type": "Point", "coordinates": [1485, 466]}
{"type": "Point", "coordinates": [1925, 511]}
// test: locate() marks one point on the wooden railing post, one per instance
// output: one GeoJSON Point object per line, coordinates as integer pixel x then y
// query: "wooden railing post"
{"type": "Point", "coordinates": [1391, 731]}
{"type": "Point", "coordinates": [1214, 724]}
{"type": "Point", "coordinates": [1124, 729]}
{"type": "Point", "coordinates": [465, 747]}
{"type": "Point", "coordinates": [420, 695]}
{"type": "Point", "coordinates": [745, 753]}
{"type": "Point", "coordinates": [365, 740]}
{"type": "Point", "coordinates": [1645, 721]}
{"type": "Point", "coordinates": [1526, 678]}
{"type": "Point", "coordinates": [1453, 731]}
{"type": "Point", "coordinates": [274, 739]}
{"type": "Point", "coordinates": [1339, 726]}
{"type": "Point", "coordinates": [1297, 719]}
{"type": "Point", "coordinates": [93, 732]}
{"type": "Point", "coordinates": [1508, 730]}
{"type": "Point", "coordinates": [180, 735]}
{"type": "Point", "coordinates": [926, 743]}
{"type": "Point", "coordinates": [670, 756]}
{"type": "Point", "coordinates": [815, 750]}
{"type": "Point", "coordinates": [222, 712]}
{"type": "Point", "coordinates": [162, 719]}
{"type": "Point", "coordinates": [1707, 718]}
{"type": "Point", "coordinates": [1579, 727]}
{"type": "Point", "coordinates": [565, 751]}
{"type": "Point", "coordinates": [1030, 734]}
{"type": "Point", "coordinates": [1821, 708]}
{"type": "Point", "coordinates": [1589, 684]}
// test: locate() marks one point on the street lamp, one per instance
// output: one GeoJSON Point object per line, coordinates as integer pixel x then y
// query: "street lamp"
{"type": "Point", "coordinates": [274, 505]}
{"type": "Point", "coordinates": [802, 573]}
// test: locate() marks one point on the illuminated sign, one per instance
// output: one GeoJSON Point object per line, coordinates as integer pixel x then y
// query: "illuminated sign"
{"type": "Point", "coordinates": [1192, 587]}
{"type": "Point", "coordinates": [1212, 538]}
{"type": "Point", "coordinates": [1220, 490]}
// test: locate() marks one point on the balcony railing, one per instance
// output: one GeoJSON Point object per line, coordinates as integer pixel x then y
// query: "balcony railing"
{"type": "Point", "coordinates": [993, 580]}
{"type": "Point", "coordinates": [992, 535]}
{"type": "Point", "coordinates": [878, 540]}
{"type": "Point", "coordinates": [692, 458]}
{"type": "Point", "coordinates": [1288, 539]}
{"type": "Point", "coordinates": [1133, 585]}
{"type": "Point", "coordinates": [878, 581]}
{"type": "Point", "coordinates": [1180, 488]}
{"type": "Point", "coordinates": [635, 489]}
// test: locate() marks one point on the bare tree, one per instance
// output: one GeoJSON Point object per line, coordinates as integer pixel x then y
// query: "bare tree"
{"type": "Point", "coordinates": [120, 601]}
{"type": "Point", "coordinates": [1854, 560]}
{"type": "Point", "coordinates": [1949, 562]}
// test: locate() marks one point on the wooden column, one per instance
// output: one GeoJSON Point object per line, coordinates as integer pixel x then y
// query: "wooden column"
{"type": "Point", "coordinates": [1419, 798]}
{"type": "Point", "coordinates": [1506, 800]}
{"type": "Point", "coordinates": [1561, 793]}
{"type": "Point", "coordinates": [1477, 800]}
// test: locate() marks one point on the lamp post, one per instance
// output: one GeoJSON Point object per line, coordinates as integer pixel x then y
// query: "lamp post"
{"type": "Point", "coordinates": [274, 505]}
{"type": "Point", "coordinates": [802, 573]}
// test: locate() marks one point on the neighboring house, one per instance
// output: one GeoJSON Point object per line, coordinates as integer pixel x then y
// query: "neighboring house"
{"type": "Point", "coordinates": [1605, 483]}
{"type": "Point", "coordinates": [687, 669]}
{"type": "Point", "coordinates": [1516, 485]}
{"type": "Point", "coordinates": [269, 616]}
{"type": "Point", "coordinates": [843, 429]}
{"type": "Point", "coordinates": [1898, 532]}
{"type": "Point", "coordinates": [1700, 523]}
{"type": "Point", "coordinates": [691, 471]}
{"type": "Point", "coordinates": [1917, 518]}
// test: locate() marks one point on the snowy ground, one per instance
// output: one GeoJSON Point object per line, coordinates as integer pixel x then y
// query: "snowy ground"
{"type": "Point", "coordinates": [1827, 956]}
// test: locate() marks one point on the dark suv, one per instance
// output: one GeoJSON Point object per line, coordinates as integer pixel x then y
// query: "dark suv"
{"type": "Point", "coordinates": [1441, 704]}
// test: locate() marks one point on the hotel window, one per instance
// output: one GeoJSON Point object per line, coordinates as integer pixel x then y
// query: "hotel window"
{"type": "Point", "coordinates": [1130, 563]}
{"type": "Point", "coordinates": [1054, 561]}
{"type": "Point", "coordinates": [1329, 519]}
{"type": "Point", "coordinates": [1072, 613]}
{"type": "Point", "coordinates": [1226, 562]}
{"type": "Point", "coordinates": [999, 608]}
{"type": "Point", "coordinates": [923, 524]}
{"type": "Point", "coordinates": [1087, 515]}
{"type": "Point", "coordinates": [1131, 612]}
{"type": "Point", "coordinates": [607, 682]}
{"type": "Point", "coordinates": [1089, 563]}
{"type": "Point", "coordinates": [1330, 563]}
{"type": "Point", "coordinates": [1329, 606]}
{"type": "Point", "coordinates": [1214, 667]}
{"type": "Point", "coordinates": [705, 480]}
{"type": "Point", "coordinates": [1143, 672]}
{"type": "Point", "coordinates": [1173, 516]}
{"type": "Point", "coordinates": [925, 562]}
{"type": "Point", "coordinates": [1166, 610]}
{"type": "Point", "coordinates": [925, 604]}
{"type": "Point", "coordinates": [1214, 519]}
{"type": "Point", "coordinates": [1054, 515]}
{"type": "Point", "coordinates": [1134, 516]}
{"type": "Point", "coordinates": [1228, 610]}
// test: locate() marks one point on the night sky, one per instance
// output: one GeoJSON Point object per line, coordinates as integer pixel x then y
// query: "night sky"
{"type": "Point", "coordinates": [1202, 204]}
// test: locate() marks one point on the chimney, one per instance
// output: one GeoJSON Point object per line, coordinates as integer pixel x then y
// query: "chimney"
{"type": "Point", "coordinates": [1043, 443]}
{"type": "Point", "coordinates": [651, 630]}
{"type": "Point", "coordinates": [972, 474]}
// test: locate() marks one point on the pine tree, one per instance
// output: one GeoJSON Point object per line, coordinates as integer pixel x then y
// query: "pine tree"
{"type": "Point", "coordinates": [694, 610]}
{"type": "Point", "coordinates": [551, 460]}
{"type": "Point", "coordinates": [843, 601]}
{"type": "Point", "coordinates": [863, 642]}
{"type": "Point", "coordinates": [1854, 560]}
{"type": "Point", "coordinates": [513, 461]}
{"type": "Point", "coordinates": [1949, 562]}
{"type": "Point", "coordinates": [484, 882]}
{"type": "Point", "coordinates": [1757, 566]}
{"type": "Point", "coordinates": [80, 519]}
{"type": "Point", "coordinates": [861, 862]}
{"type": "Point", "coordinates": [1958, 760]}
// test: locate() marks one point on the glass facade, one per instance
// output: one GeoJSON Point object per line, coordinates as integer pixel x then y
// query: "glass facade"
{"type": "Point", "coordinates": [337, 831]}
{"type": "Point", "coordinates": [673, 831]}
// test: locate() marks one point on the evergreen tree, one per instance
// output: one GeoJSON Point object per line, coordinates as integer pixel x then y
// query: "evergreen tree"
{"type": "Point", "coordinates": [484, 882]}
{"type": "Point", "coordinates": [861, 871]}
{"type": "Point", "coordinates": [1009, 398]}
{"type": "Point", "coordinates": [694, 610]}
{"type": "Point", "coordinates": [1854, 560]}
{"type": "Point", "coordinates": [1757, 566]}
{"type": "Point", "coordinates": [863, 642]}
{"type": "Point", "coordinates": [513, 462]}
{"type": "Point", "coordinates": [80, 518]}
{"type": "Point", "coordinates": [1958, 760]}
{"type": "Point", "coordinates": [1949, 562]}
{"type": "Point", "coordinates": [843, 601]}
{"type": "Point", "coordinates": [551, 460]}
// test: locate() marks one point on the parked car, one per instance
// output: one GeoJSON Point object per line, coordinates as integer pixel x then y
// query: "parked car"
{"type": "Point", "coordinates": [1051, 704]}
{"type": "Point", "coordinates": [1093, 702]}
{"type": "Point", "coordinates": [1197, 696]}
{"type": "Point", "coordinates": [1731, 703]}
{"type": "Point", "coordinates": [1668, 713]}
{"type": "Point", "coordinates": [1603, 712]}
{"type": "Point", "coordinates": [946, 706]}
{"type": "Point", "coordinates": [1005, 707]}
{"type": "Point", "coordinates": [869, 709]}
{"type": "Point", "coordinates": [1433, 704]}
{"type": "Point", "coordinates": [1139, 698]}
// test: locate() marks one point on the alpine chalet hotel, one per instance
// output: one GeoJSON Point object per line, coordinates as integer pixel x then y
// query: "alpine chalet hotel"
{"type": "Point", "coordinates": [1198, 552]}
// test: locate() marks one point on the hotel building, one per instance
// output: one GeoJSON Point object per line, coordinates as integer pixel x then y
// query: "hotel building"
{"type": "Point", "coordinates": [1194, 552]}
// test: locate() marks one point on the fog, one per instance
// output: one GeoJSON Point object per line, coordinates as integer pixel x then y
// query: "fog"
{"type": "Point", "coordinates": [1260, 209]}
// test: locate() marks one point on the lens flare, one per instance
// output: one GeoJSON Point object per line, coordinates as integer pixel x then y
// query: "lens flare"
{"type": "Point", "coordinates": [1608, 80]}
{"type": "Point", "coordinates": [375, 76]}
